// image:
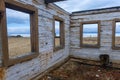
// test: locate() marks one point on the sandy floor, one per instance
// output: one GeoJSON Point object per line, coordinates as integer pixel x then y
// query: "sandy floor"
{"type": "Point", "coordinates": [76, 71]}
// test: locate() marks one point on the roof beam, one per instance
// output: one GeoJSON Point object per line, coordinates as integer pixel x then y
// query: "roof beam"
{"type": "Point", "coordinates": [51, 1]}
{"type": "Point", "coordinates": [2, 6]}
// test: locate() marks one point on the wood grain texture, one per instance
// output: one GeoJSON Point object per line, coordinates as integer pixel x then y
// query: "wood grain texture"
{"type": "Point", "coordinates": [34, 32]}
{"type": "Point", "coordinates": [114, 38]}
{"type": "Point", "coordinates": [62, 35]}
{"type": "Point", "coordinates": [2, 73]}
{"type": "Point", "coordinates": [98, 34]}
{"type": "Point", "coordinates": [51, 1]}
{"type": "Point", "coordinates": [2, 6]}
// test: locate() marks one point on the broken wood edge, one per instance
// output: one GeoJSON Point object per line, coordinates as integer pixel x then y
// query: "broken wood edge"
{"type": "Point", "coordinates": [93, 62]}
{"type": "Point", "coordinates": [85, 61]}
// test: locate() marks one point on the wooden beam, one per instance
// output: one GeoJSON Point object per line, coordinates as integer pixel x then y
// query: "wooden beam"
{"type": "Point", "coordinates": [2, 6]}
{"type": "Point", "coordinates": [51, 1]}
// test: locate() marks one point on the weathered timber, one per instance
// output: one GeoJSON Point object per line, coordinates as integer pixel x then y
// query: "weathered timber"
{"type": "Point", "coordinates": [51, 1]}
{"type": "Point", "coordinates": [2, 7]}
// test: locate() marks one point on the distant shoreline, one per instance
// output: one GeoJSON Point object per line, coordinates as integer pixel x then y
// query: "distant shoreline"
{"type": "Point", "coordinates": [95, 34]}
{"type": "Point", "coordinates": [86, 34]}
{"type": "Point", "coordinates": [23, 35]}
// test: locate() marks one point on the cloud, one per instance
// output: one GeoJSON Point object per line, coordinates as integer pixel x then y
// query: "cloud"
{"type": "Point", "coordinates": [18, 29]}
{"type": "Point", "coordinates": [90, 28]}
{"type": "Point", "coordinates": [77, 5]}
{"type": "Point", "coordinates": [17, 22]}
{"type": "Point", "coordinates": [57, 28]}
{"type": "Point", "coordinates": [14, 16]}
{"type": "Point", "coordinates": [118, 27]}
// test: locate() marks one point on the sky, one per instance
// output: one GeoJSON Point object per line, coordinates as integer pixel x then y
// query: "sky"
{"type": "Point", "coordinates": [19, 22]}
{"type": "Point", "coordinates": [79, 5]}
{"type": "Point", "coordinates": [90, 28]}
{"type": "Point", "coordinates": [117, 27]}
{"type": "Point", "coordinates": [57, 28]}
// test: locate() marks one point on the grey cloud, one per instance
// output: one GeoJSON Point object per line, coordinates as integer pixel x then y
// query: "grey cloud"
{"type": "Point", "coordinates": [78, 5]}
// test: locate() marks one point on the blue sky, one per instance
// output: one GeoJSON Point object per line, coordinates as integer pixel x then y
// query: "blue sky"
{"type": "Point", "coordinates": [118, 27]}
{"type": "Point", "coordinates": [78, 5]}
{"type": "Point", "coordinates": [90, 28]}
{"type": "Point", "coordinates": [57, 28]}
{"type": "Point", "coordinates": [18, 22]}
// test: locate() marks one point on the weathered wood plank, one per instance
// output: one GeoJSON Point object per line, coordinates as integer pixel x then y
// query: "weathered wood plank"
{"type": "Point", "coordinates": [2, 6]}
{"type": "Point", "coordinates": [51, 1]}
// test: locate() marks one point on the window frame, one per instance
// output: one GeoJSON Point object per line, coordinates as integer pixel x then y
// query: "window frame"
{"type": "Point", "coordinates": [113, 34]}
{"type": "Point", "coordinates": [62, 34]}
{"type": "Point", "coordinates": [2, 8]}
{"type": "Point", "coordinates": [33, 30]}
{"type": "Point", "coordinates": [81, 35]}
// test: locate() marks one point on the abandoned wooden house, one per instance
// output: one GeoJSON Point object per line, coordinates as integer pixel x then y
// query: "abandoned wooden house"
{"type": "Point", "coordinates": [48, 50]}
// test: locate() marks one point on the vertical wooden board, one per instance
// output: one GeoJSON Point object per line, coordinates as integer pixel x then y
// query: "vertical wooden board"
{"type": "Point", "coordinates": [2, 9]}
{"type": "Point", "coordinates": [0, 50]}
{"type": "Point", "coordinates": [2, 73]}
{"type": "Point", "coordinates": [2, 6]}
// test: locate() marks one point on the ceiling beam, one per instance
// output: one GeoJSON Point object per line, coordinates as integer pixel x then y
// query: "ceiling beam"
{"type": "Point", "coordinates": [2, 6]}
{"type": "Point", "coordinates": [51, 1]}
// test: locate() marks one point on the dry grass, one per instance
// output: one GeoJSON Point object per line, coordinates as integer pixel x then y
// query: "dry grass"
{"type": "Point", "coordinates": [21, 46]}
{"type": "Point", "coordinates": [93, 41]}
{"type": "Point", "coordinates": [117, 41]}
{"type": "Point", "coordinates": [18, 46]}
{"type": "Point", "coordinates": [90, 40]}
{"type": "Point", "coordinates": [57, 42]}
